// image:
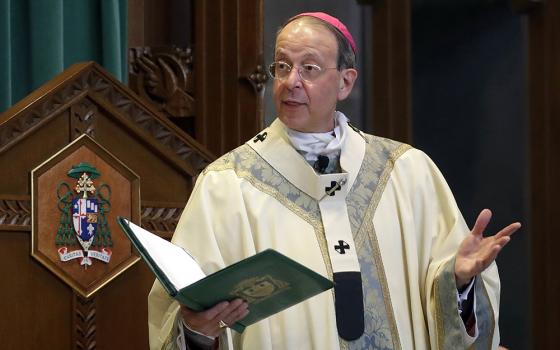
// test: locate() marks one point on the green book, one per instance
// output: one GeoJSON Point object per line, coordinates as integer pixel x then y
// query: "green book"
{"type": "Point", "coordinates": [269, 281]}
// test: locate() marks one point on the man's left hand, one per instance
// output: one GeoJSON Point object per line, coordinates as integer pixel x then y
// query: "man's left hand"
{"type": "Point", "coordinates": [476, 252]}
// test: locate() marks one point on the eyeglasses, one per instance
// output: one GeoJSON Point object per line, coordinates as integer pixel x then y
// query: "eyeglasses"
{"type": "Point", "coordinates": [307, 72]}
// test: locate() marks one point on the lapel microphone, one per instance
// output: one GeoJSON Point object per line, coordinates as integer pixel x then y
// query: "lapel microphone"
{"type": "Point", "coordinates": [321, 164]}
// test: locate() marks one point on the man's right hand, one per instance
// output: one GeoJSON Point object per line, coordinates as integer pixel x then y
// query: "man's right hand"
{"type": "Point", "coordinates": [208, 323]}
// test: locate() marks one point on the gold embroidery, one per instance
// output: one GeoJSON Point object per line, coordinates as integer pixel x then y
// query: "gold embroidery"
{"type": "Point", "coordinates": [438, 315]}
{"type": "Point", "coordinates": [493, 318]}
{"type": "Point", "coordinates": [312, 220]}
{"type": "Point", "coordinates": [448, 324]}
{"type": "Point", "coordinates": [168, 343]}
{"type": "Point", "coordinates": [370, 230]}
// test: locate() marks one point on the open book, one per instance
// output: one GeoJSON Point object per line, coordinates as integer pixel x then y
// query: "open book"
{"type": "Point", "coordinates": [269, 281]}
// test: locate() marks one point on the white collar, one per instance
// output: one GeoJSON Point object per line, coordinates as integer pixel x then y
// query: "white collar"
{"type": "Point", "coordinates": [278, 151]}
{"type": "Point", "coordinates": [311, 145]}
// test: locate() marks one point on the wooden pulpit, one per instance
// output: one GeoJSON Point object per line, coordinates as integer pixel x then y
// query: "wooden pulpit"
{"type": "Point", "coordinates": [74, 155]}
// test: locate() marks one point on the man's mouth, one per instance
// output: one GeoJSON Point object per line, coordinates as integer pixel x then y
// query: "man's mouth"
{"type": "Point", "coordinates": [292, 103]}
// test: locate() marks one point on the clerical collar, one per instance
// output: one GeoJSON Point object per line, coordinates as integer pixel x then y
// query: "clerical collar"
{"type": "Point", "coordinates": [321, 150]}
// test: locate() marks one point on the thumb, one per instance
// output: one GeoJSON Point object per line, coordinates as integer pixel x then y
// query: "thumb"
{"type": "Point", "coordinates": [481, 222]}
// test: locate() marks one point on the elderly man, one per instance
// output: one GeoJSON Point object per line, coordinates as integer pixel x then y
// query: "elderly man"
{"type": "Point", "coordinates": [407, 272]}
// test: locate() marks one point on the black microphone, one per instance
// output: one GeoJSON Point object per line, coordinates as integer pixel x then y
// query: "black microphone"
{"type": "Point", "coordinates": [321, 164]}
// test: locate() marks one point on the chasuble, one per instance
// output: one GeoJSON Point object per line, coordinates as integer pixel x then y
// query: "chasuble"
{"type": "Point", "coordinates": [397, 217]}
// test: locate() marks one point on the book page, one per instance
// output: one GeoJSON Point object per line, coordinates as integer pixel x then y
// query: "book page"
{"type": "Point", "coordinates": [179, 267]}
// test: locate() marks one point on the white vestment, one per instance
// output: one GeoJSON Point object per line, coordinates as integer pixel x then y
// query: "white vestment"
{"type": "Point", "coordinates": [406, 228]}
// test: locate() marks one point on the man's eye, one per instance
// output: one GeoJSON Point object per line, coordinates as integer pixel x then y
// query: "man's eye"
{"type": "Point", "coordinates": [283, 66]}
{"type": "Point", "coordinates": [310, 68]}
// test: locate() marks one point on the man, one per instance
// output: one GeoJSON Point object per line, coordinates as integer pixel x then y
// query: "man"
{"type": "Point", "coordinates": [374, 215]}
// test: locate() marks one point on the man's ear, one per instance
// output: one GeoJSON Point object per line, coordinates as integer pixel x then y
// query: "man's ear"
{"type": "Point", "coordinates": [347, 79]}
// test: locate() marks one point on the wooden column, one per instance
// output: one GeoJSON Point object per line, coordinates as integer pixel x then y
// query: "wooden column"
{"type": "Point", "coordinates": [229, 72]}
{"type": "Point", "coordinates": [392, 102]}
{"type": "Point", "coordinates": [544, 112]}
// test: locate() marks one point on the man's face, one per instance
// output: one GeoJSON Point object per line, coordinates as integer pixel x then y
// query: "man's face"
{"type": "Point", "coordinates": [301, 105]}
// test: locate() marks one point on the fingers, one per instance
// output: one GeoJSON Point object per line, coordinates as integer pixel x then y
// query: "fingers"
{"type": "Point", "coordinates": [213, 312]}
{"type": "Point", "coordinates": [481, 222]}
{"type": "Point", "coordinates": [490, 254]}
{"type": "Point", "coordinates": [502, 241]}
{"type": "Point", "coordinates": [208, 322]}
{"type": "Point", "coordinates": [493, 246]}
{"type": "Point", "coordinates": [204, 322]}
{"type": "Point", "coordinates": [475, 255]}
{"type": "Point", "coordinates": [237, 310]}
{"type": "Point", "coordinates": [508, 230]}
{"type": "Point", "coordinates": [466, 270]}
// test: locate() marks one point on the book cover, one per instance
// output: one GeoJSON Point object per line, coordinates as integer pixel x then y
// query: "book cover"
{"type": "Point", "coordinates": [269, 281]}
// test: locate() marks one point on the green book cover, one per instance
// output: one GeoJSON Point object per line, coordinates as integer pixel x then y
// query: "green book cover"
{"type": "Point", "coordinates": [269, 281]}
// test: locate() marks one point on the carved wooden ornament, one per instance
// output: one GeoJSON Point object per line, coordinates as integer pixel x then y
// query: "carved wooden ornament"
{"type": "Point", "coordinates": [76, 196]}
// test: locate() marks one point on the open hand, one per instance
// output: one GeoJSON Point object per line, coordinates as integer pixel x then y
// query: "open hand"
{"type": "Point", "coordinates": [476, 252]}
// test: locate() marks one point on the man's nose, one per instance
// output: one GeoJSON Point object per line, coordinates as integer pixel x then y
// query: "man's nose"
{"type": "Point", "coordinates": [293, 79]}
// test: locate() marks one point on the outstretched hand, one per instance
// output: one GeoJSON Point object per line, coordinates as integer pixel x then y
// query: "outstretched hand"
{"type": "Point", "coordinates": [476, 252]}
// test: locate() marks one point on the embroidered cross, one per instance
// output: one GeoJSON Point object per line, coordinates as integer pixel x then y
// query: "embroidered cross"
{"type": "Point", "coordinates": [260, 137]}
{"type": "Point", "coordinates": [341, 247]}
{"type": "Point", "coordinates": [335, 186]}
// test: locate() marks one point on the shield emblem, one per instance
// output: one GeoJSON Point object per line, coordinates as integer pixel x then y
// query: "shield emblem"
{"type": "Point", "coordinates": [84, 218]}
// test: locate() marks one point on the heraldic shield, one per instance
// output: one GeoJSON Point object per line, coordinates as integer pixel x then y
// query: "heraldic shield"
{"type": "Point", "coordinates": [89, 217]}
{"type": "Point", "coordinates": [74, 211]}
{"type": "Point", "coordinates": [84, 217]}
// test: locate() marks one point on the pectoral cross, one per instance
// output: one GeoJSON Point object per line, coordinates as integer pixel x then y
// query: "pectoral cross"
{"type": "Point", "coordinates": [335, 186]}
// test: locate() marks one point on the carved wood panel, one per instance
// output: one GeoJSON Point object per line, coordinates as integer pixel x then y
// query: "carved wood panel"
{"type": "Point", "coordinates": [164, 76]}
{"type": "Point", "coordinates": [83, 118]}
{"type": "Point", "coordinates": [213, 87]}
{"type": "Point", "coordinates": [229, 72]}
{"type": "Point", "coordinates": [84, 316]}
{"type": "Point", "coordinates": [15, 213]}
{"type": "Point", "coordinates": [85, 100]}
